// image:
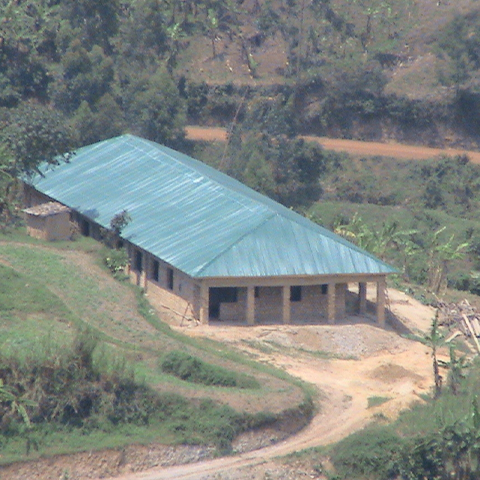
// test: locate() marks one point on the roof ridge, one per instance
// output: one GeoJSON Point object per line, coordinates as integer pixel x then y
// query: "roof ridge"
{"type": "Point", "coordinates": [237, 240]}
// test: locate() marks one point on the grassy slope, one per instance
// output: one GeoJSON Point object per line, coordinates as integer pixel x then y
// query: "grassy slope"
{"type": "Point", "coordinates": [48, 291]}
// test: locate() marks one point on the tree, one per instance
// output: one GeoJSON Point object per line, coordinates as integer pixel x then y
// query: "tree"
{"type": "Point", "coordinates": [456, 369]}
{"type": "Point", "coordinates": [97, 21]}
{"type": "Point", "coordinates": [24, 33]}
{"type": "Point", "coordinates": [435, 339]}
{"type": "Point", "coordinates": [33, 134]}
{"type": "Point", "coordinates": [458, 50]}
{"type": "Point", "coordinates": [155, 109]}
{"type": "Point", "coordinates": [87, 76]}
{"type": "Point", "coordinates": [104, 120]}
{"type": "Point", "coordinates": [152, 40]}
{"type": "Point", "coordinates": [440, 253]}
{"type": "Point", "coordinates": [378, 241]}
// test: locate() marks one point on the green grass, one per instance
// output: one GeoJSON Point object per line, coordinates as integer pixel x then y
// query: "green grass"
{"type": "Point", "coordinates": [193, 369]}
{"type": "Point", "coordinates": [376, 401]}
{"type": "Point", "coordinates": [25, 295]}
{"type": "Point", "coordinates": [29, 311]}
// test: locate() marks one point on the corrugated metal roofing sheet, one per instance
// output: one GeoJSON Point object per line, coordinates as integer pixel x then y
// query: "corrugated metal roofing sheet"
{"type": "Point", "coordinates": [196, 218]}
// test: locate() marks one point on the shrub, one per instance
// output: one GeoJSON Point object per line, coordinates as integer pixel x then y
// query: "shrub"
{"type": "Point", "coordinates": [369, 453]}
{"type": "Point", "coordinates": [192, 369]}
{"type": "Point", "coordinates": [116, 260]}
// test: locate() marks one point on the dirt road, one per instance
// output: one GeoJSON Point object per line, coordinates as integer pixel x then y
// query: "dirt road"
{"type": "Point", "coordinates": [353, 147]}
{"type": "Point", "coordinates": [383, 365]}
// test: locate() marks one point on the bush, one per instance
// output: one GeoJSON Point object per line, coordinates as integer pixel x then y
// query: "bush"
{"type": "Point", "coordinates": [116, 260]}
{"type": "Point", "coordinates": [192, 369]}
{"type": "Point", "coordinates": [369, 453]}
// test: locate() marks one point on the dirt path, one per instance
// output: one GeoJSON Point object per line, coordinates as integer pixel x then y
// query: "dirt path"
{"type": "Point", "coordinates": [353, 147]}
{"type": "Point", "coordinates": [390, 367]}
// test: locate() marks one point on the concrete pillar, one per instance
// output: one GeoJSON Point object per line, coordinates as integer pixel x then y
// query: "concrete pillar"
{"type": "Point", "coordinates": [250, 305]}
{"type": "Point", "coordinates": [145, 271]}
{"type": "Point", "coordinates": [362, 298]}
{"type": "Point", "coordinates": [331, 307]}
{"type": "Point", "coordinates": [204, 301]}
{"type": "Point", "coordinates": [340, 301]}
{"type": "Point", "coordinates": [286, 304]}
{"type": "Point", "coordinates": [381, 286]}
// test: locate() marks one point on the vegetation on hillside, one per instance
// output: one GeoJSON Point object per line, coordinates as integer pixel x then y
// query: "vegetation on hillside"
{"type": "Point", "coordinates": [76, 372]}
{"type": "Point", "coordinates": [143, 66]}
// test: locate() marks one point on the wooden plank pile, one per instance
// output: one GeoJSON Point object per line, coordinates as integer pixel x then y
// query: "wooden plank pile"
{"type": "Point", "coordinates": [461, 317]}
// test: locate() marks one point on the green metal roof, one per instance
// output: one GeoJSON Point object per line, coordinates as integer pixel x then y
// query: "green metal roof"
{"type": "Point", "coordinates": [195, 217]}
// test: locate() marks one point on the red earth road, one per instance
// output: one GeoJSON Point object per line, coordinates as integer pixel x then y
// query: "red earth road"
{"type": "Point", "coordinates": [353, 147]}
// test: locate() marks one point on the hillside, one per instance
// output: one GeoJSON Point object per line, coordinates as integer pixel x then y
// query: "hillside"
{"type": "Point", "coordinates": [39, 320]}
{"type": "Point", "coordinates": [345, 363]}
{"type": "Point", "coordinates": [403, 70]}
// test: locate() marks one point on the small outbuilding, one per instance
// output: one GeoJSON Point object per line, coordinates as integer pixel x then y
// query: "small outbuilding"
{"type": "Point", "coordinates": [48, 221]}
{"type": "Point", "coordinates": [205, 245]}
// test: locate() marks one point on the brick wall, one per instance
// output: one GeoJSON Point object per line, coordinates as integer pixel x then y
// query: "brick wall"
{"type": "Point", "coordinates": [269, 304]}
{"type": "Point", "coordinates": [175, 291]}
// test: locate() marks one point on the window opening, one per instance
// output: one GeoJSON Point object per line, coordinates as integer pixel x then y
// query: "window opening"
{"type": "Point", "coordinates": [295, 293]}
{"type": "Point", "coordinates": [138, 261]}
{"type": "Point", "coordinates": [85, 228]}
{"type": "Point", "coordinates": [155, 270]}
{"type": "Point", "coordinates": [324, 288]}
{"type": "Point", "coordinates": [170, 278]}
{"type": "Point", "coordinates": [218, 295]}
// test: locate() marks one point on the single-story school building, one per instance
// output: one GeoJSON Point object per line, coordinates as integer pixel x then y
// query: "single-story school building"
{"type": "Point", "coordinates": [205, 245]}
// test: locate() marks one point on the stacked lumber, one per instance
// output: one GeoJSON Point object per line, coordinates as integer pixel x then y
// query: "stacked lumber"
{"type": "Point", "coordinates": [462, 317]}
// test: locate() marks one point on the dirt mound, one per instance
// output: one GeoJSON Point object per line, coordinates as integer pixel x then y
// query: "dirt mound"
{"type": "Point", "coordinates": [391, 373]}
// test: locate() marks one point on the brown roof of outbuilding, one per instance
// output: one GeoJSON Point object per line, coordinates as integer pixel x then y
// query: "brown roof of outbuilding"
{"type": "Point", "coordinates": [46, 209]}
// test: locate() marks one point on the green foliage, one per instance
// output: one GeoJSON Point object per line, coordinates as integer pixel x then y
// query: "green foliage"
{"type": "Point", "coordinates": [86, 375]}
{"type": "Point", "coordinates": [457, 367]}
{"type": "Point", "coordinates": [112, 239]}
{"type": "Point", "coordinates": [87, 77]}
{"type": "Point", "coordinates": [155, 109]}
{"type": "Point", "coordinates": [376, 401]}
{"type": "Point", "coordinates": [437, 246]}
{"type": "Point", "coordinates": [120, 221]}
{"type": "Point", "coordinates": [458, 45]}
{"type": "Point", "coordinates": [104, 120]}
{"type": "Point", "coordinates": [116, 259]}
{"type": "Point", "coordinates": [76, 388]}
{"type": "Point", "coordinates": [451, 452]}
{"type": "Point", "coordinates": [32, 134]}
{"type": "Point", "coordinates": [369, 453]}
{"type": "Point", "coordinates": [435, 339]}
{"type": "Point", "coordinates": [284, 168]}
{"type": "Point", "coordinates": [192, 369]}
